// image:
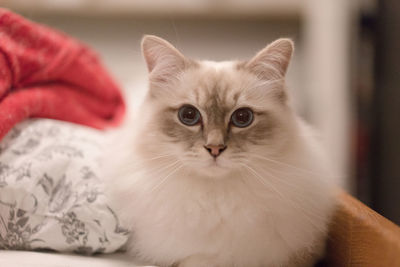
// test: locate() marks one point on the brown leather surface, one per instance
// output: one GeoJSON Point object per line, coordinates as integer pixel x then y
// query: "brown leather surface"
{"type": "Point", "coordinates": [361, 237]}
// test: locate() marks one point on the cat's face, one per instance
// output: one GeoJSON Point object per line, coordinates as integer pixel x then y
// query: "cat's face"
{"type": "Point", "coordinates": [214, 117]}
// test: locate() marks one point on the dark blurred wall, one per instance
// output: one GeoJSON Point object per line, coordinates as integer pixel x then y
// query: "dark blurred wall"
{"type": "Point", "coordinates": [385, 158]}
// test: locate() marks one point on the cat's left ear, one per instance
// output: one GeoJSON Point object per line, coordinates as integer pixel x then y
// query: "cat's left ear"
{"type": "Point", "coordinates": [273, 60]}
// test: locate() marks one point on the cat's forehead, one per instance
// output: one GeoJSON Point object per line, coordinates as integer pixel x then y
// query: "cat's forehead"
{"type": "Point", "coordinates": [216, 84]}
{"type": "Point", "coordinates": [220, 65]}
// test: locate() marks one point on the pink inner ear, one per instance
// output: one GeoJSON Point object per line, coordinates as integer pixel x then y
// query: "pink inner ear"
{"type": "Point", "coordinates": [150, 62]}
{"type": "Point", "coordinates": [161, 55]}
{"type": "Point", "coordinates": [273, 60]}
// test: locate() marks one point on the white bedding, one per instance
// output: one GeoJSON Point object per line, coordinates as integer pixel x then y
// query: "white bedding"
{"type": "Point", "coordinates": [41, 259]}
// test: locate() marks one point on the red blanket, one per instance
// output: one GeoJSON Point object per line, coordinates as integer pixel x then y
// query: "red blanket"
{"type": "Point", "coordinates": [44, 73]}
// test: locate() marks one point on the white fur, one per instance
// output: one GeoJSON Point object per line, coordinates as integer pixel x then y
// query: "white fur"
{"type": "Point", "coordinates": [267, 211]}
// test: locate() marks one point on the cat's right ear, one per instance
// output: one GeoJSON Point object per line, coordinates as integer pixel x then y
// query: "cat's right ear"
{"type": "Point", "coordinates": [162, 58]}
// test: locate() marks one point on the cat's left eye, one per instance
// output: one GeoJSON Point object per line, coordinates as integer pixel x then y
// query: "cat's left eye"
{"type": "Point", "coordinates": [189, 115]}
{"type": "Point", "coordinates": [242, 117]}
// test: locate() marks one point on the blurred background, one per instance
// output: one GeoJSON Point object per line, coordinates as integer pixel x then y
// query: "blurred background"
{"type": "Point", "coordinates": [344, 78]}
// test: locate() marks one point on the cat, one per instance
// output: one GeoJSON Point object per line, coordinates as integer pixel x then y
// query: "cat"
{"type": "Point", "coordinates": [216, 169]}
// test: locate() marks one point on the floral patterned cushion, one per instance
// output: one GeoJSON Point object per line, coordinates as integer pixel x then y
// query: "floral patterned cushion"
{"type": "Point", "coordinates": [50, 191]}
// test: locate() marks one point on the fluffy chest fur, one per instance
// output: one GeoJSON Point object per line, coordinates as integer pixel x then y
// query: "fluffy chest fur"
{"type": "Point", "coordinates": [236, 222]}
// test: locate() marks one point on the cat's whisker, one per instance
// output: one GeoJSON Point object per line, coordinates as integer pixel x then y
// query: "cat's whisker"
{"type": "Point", "coordinates": [160, 156]}
{"type": "Point", "coordinates": [296, 174]}
{"type": "Point", "coordinates": [154, 170]}
{"type": "Point", "coordinates": [163, 180]}
{"type": "Point", "coordinates": [280, 180]}
{"type": "Point", "coordinates": [288, 165]}
{"type": "Point", "coordinates": [287, 200]}
{"type": "Point", "coordinates": [155, 157]}
{"type": "Point", "coordinates": [295, 171]}
{"type": "Point", "coordinates": [243, 181]}
{"type": "Point", "coordinates": [142, 161]}
{"type": "Point", "coordinates": [161, 168]}
{"type": "Point", "coordinates": [283, 181]}
{"type": "Point", "coordinates": [285, 175]}
{"type": "Point", "coordinates": [293, 203]}
{"type": "Point", "coordinates": [262, 181]}
{"type": "Point", "coordinates": [193, 155]}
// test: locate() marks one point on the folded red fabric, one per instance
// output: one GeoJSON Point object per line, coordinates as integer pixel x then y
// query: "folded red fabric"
{"type": "Point", "coordinates": [44, 73]}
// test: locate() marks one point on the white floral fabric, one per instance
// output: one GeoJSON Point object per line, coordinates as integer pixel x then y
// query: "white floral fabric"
{"type": "Point", "coordinates": [51, 192]}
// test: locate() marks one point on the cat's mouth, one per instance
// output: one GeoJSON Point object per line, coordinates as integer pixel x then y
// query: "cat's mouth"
{"type": "Point", "coordinates": [217, 168]}
{"type": "Point", "coordinates": [217, 163]}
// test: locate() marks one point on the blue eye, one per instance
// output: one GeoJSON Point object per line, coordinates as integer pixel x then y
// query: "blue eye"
{"type": "Point", "coordinates": [189, 115]}
{"type": "Point", "coordinates": [242, 117]}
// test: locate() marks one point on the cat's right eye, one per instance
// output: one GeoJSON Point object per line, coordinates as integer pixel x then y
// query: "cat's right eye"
{"type": "Point", "coordinates": [189, 115]}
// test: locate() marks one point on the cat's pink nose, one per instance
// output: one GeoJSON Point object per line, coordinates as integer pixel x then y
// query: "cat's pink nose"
{"type": "Point", "coordinates": [215, 150]}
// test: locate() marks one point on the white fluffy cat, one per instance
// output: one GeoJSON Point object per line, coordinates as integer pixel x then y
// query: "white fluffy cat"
{"type": "Point", "coordinates": [216, 169]}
